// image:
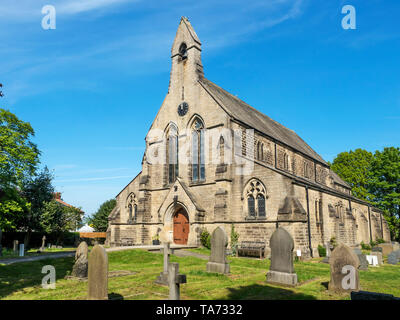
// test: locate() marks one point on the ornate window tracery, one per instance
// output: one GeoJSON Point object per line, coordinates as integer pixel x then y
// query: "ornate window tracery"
{"type": "Point", "coordinates": [131, 205]}
{"type": "Point", "coordinates": [198, 159]}
{"type": "Point", "coordinates": [256, 195]}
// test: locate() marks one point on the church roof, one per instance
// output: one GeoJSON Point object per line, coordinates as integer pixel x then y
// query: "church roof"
{"type": "Point", "coordinates": [243, 112]}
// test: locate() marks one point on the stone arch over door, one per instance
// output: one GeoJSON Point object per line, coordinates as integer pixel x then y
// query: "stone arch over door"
{"type": "Point", "coordinates": [177, 220]}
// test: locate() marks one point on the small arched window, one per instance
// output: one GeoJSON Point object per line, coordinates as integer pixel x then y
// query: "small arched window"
{"type": "Point", "coordinates": [183, 51]}
{"type": "Point", "coordinates": [222, 150]}
{"type": "Point", "coordinates": [131, 202]}
{"type": "Point", "coordinates": [130, 214]}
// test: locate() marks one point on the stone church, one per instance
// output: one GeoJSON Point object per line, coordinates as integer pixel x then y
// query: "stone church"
{"type": "Point", "coordinates": [212, 160]}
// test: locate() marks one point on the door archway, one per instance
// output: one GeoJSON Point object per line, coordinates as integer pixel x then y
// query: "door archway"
{"type": "Point", "coordinates": [181, 227]}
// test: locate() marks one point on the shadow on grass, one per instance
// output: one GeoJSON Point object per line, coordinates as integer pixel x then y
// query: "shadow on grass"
{"type": "Point", "coordinates": [265, 292]}
{"type": "Point", "coordinates": [115, 296]}
{"type": "Point", "coordinates": [16, 277]}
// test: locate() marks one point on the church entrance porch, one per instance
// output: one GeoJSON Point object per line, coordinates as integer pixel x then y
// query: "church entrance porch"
{"type": "Point", "coordinates": [181, 227]}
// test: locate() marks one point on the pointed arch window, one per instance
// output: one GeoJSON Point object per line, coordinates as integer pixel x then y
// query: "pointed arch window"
{"type": "Point", "coordinates": [131, 205]}
{"type": "Point", "coordinates": [198, 159]}
{"type": "Point", "coordinates": [256, 196]}
{"type": "Point", "coordinates": [172, 153]}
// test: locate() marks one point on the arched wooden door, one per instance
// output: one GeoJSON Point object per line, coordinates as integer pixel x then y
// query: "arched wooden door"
{"type": "Point", "coordinates": [181, 227]}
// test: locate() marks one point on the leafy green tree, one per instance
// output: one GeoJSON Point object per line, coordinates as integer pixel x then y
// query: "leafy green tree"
{"type": "Point", "coordinates": [13, 208]}
{"type": "Point", "coordinates": [58, 218]}
{"type": "Point", "coordinates": [354, 168]}
{"type": "Point", "coordinates": [99, 220]}
{"type": "Point", "coordinates": [38, 191]}
{"type": "Point", "coordinates": [19, 156]}
{"type": "Point", "coordinates": [385, 186]}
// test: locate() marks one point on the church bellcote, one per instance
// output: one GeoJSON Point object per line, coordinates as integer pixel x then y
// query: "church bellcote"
{"type": "Point", "coordinates": [186, 57]}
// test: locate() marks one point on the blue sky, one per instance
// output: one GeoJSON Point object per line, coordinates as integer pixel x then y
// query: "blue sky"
{"type": "Point", "coordinates": [92, 87]}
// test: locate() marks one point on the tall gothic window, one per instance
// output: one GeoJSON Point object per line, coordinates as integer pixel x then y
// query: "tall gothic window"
{"type": "Point", "coordinates": [255, 190]}
{"type": "Point", "coordinates": [172, 154]}
{"type": "Point", "coordinates": [131, 205]}
{"type": "Point", "coordinates": [198, 159]}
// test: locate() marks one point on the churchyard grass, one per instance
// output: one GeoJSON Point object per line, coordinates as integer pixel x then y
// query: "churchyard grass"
{"type": "Point", "coordinates": [246, 280]}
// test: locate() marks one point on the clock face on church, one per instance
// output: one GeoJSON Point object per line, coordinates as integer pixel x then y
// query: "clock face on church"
{"type": "Point", "coordinates": [183, 108]}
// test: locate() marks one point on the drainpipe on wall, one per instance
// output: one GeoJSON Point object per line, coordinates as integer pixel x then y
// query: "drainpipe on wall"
{"type": "Point", "coordinates": [381, 225]}
{"type": "Point", "coordinates": [369, 222]}
{"type": "Point", "coordinates": [308, 223]}
{"type": "Point", "coordinates": [275, 156]}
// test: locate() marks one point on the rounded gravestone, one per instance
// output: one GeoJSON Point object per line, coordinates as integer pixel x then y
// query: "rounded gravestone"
{"type": "Point", "coordinates": [281, 270]}
{"type": "Point", "coordinates": [218, 262]}
{"type": "Point", "coordinates": [98, 274]}
{"type": "Point", "coordinates": [344, 265]}
{"type": "Point", "coordinates": [80, 268]}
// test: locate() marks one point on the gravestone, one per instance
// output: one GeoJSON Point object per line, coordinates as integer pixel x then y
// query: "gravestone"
{"type": "Point", "coordinates": [396, 245]}
{"type": "Point", "coordinates": [328, 253]}
{"type": "Point", "coordinates": [392, 258]}
{"type": "Point", "coordinates": [386, 248]}
{"type": "Point", "coordinates": [98, 274]}
{"type": "Point", "coordinates": [218, 262]}
{"type": "Point", "coordinates": [344, 265]}
{"type": "Point", "coordinates": [80, 269]}
{"type": "Point", "coordinates": [397, 252]}
{"type": "Point", "coordinates": [378, 255]}
{"type": "Point", "coordinates": [357, 251]}
{"type": "Point", "coordinates": [362, 259]}
{"type": "Point", "coordinates": [377, 249]}
{"type": "Point", "coordinates": [21, 250]}
{"type": "Point", "coordinates": [281, 270]}
{"type": "Point", "coordinates": [15, 246]}
{"type": "Point", "coordinates": [174, 281]}
{"type": "Point", "coordinates": [43, 243]}
{"type": "Point", "coordinates": [163, 277]}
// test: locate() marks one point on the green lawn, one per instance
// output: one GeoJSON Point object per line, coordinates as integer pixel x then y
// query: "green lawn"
{"type": "Point", "coordinates": [246, 281]}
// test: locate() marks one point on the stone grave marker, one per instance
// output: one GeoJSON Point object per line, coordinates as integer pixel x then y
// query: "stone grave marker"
{"type": "Point", "coordinates": [174, 281]}
{"type": "Point", "coordinates": [344, 265]}
{"type": "Point", "coordinates": [392, 258]}
{"type": "Point", "coordinates": [386, 248]}
{"type": "Point", "coordinates": [98, 274]}
{"type": "Point", "coordinates": [282, 270]}
{"type": "Point", "coordinates": [163, 277]}
{"type": "Point", "coordinates": [396, 245]}
{"type": "Point", "coordinates": [218, 262]}
{"type": "Point", "coordinates": [43, 243]}
{"type": "Point", "coordinates": [21, 250]}
{"type": "Point", "coordinates": [362, 259]}
{"type": "Point", "coordinates": [80, 269]}
{"type": "Point", "coordinates": [328, 253]}
{"type": "Point", "coordinates": [15, 246]}
{"type": "Point", "coordinates": [357, 251]}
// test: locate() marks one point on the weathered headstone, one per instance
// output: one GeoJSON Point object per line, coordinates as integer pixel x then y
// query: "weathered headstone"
{"type": "Point", "coordinates": [363, 262]}
{"type": "Point", "coordinates": [392, 258]}
{"type": "Point", "coordinates": [377, 249]}
{"type": "Point", "coordinates": [396, 245]}
{"type": "Point", "coordinates": [344, 265]}
{"type": "Point", "coordinates": [163, 277]}
{"type": "Point", "coordinates": [218, 262]}
{"type": "Point", "coordinates": [174, 281]}
{"type": "Point", "coordinates": [386, 248]}
{"type": "Point", "coordinates": [378, 255]}
{"type": "Point", "coordinates": [21, 250]}
{"type": "Point", "coordinates": [328, 252]}
{"type": "Point", "coordinates": [281, 270]}
{"type": "Point", "coordinates": [98, 274]}
{"type": "Point", "coordinates": [357, 251]}
{"type": "Point", "coordinates": [15, 246]}
{"type": "Point", "coordinates": [80, 269]}
{"type": "Point", "coordinates": [43, 243]}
